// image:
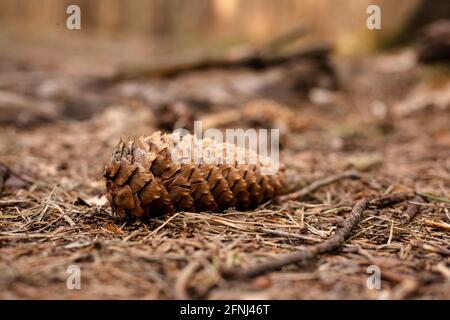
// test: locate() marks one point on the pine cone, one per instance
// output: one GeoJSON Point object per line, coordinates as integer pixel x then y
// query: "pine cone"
{"type": "Point", "coordinates": [143, 181]}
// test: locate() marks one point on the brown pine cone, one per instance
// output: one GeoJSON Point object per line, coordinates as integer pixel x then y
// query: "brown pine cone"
{"type": "Point", "coordinates": [143, 181]}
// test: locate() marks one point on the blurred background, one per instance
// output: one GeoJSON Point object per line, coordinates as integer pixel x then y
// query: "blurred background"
{"type": "Point", "coordinates": [210, 55]}
{"type": "Point", "coordinates": [167, 25]}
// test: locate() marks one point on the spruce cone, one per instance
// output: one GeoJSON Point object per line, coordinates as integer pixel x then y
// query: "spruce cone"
{"type": "Point", "coordinates": [143, 181]}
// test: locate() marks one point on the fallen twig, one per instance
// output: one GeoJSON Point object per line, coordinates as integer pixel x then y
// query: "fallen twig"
{"type": "Point", "coordinates": [412, 209]}
{"type": "Point", "coordinates": [240, 57]}
{"type": "Point", "coordinates": [316, 185]}
{"type": "Point", "coordinates": [391, 199]}
{"type": "Point", "coordinates": [329, 245]}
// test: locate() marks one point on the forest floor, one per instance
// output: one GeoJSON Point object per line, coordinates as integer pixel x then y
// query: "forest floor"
{"type": "Point", "coordinates": [389, 119]}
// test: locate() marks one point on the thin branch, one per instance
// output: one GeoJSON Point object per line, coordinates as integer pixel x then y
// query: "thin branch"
{"type": "Point", "coordinates": [391, 199]}
{"type": "Point", "coordinates": [329, 245]}
{"type": "Point", "coordinates": [242, 57]}
{"type": "Point", "coordinates": [412, 209]}
{"type": "Point", "coordinates": [316, 185]}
